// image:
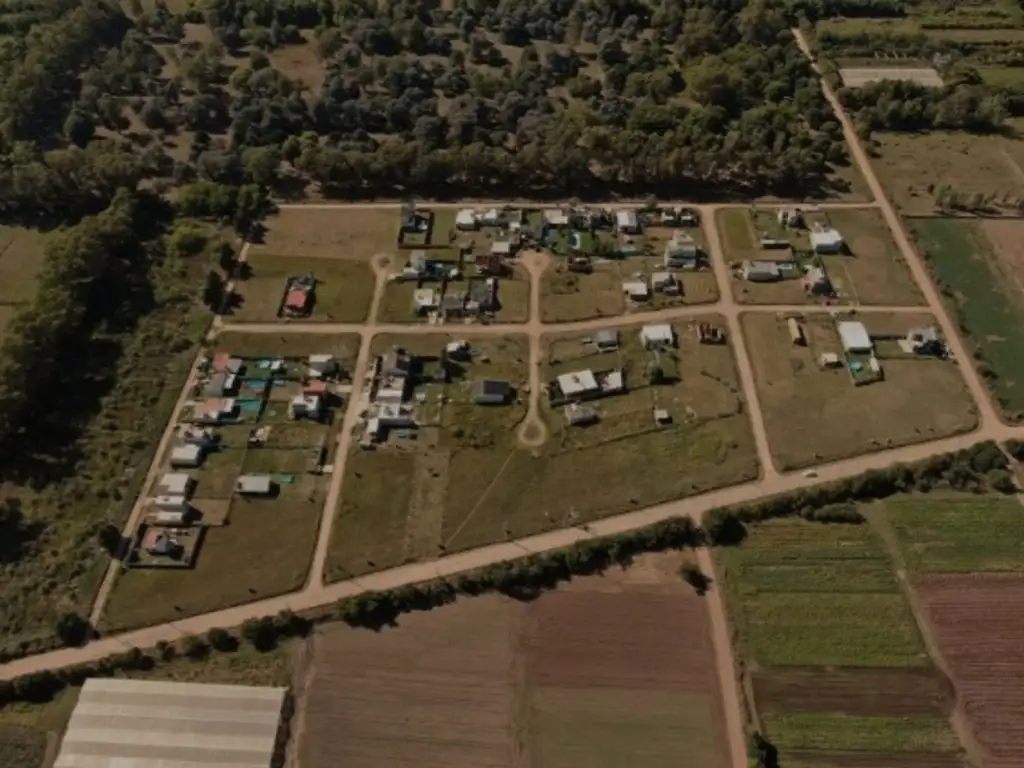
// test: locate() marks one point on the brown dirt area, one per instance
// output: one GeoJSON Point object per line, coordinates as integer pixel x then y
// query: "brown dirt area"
{"type": "Point", "coordinates": [627, 640]}
{"type": "Point", "coordinates": [908, 692]}
{"type": "Point", "coordinates": [439, 691]}
{"type": "Point", "coordinates": [979, 632]}
{"type": "Point", "coordinates": [809, 759]}
{"type": "Point", "coordinates": [1007, 239]}
{"type": "Point", "coordinates": [331, 233]}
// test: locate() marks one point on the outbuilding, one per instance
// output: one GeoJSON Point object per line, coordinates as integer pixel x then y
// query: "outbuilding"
{"type": "Point", "coordinates": [187, 455]}
{"type": "Point", "coordinates": [491, 392]}
{"type": "Point", "coordinates": [607, 339]}
{"type": "Point", "coordinates": [658, 336]}
{"type": "Point", "coordinates": [466, 220]}
{"type": "Point", "coordinates": [826, 240]}
{"type": "Point", "coordinates": [854, 336]}
{"type": "Point", "coordinates": [637, 290]}
{"type": "Point", "coordinates": [254, 485]}
{"type": "Point", "coordinates": [175, 484]}
{"type": "Point", "coordinates": [169, 503]}
{"type": "Point", "coordinates": [761, 271]}
{"type": "Point", "coordinates": [626, 221]}
{"type": "Point", "coordinates": [321, 366]}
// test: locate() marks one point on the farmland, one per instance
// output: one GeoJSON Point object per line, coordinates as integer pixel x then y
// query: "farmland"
{"type": "Point", "coordinates": [982, 283]}
{"type": "Point", "coordinates": [798, 394]}
{"type": "Point", "coordinates": [835, 664]}
{"type": "Point", "coordinates": [641, 685]}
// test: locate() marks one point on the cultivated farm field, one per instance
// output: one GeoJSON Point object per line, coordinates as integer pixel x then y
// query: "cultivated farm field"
{"type": "Point", "coordinates": [611, 669]}
{"type": "Point", "coordinates": [798, 395]}
{"type": "Point", "coordinates": [835, 665]}
{"type": "Point", "coordinates": [982, 280]}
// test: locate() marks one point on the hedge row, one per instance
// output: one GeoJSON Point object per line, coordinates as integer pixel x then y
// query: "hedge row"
{"type": "Point", "coordinates": [975, 468]}
{"type": "Point", "coordinates": [981, 467]}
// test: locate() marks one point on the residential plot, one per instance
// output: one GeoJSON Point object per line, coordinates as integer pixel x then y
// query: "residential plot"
{"type": "Point", "coordinates": [836, 666]}
{"type": "Point", "coordinates": [979, 641]}
{"type": "Point", "coordinates": [342, 290]}
{"type": "Point", "coordinates": [958, 534]}
{"type": "Point", "coordinates": [334, 233]}
{"type": "Point", "coordinates": [233, 513]}
{"type": "Point", "coordinates": [823, 402]}
{"type": "Point", "coordinates": [981, 280]}
{"type": "Point", "coordinates": [486, 682]}
{"type": "Point", "coordinates": [567, 296]}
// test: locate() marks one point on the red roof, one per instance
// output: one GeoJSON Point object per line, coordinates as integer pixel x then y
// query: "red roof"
{"type": "Point", "coordinates": [297, 299]}
{"type": "Point", "coordinates": [220, 361]}
{"type": "Point", "coordinates": [315, 388]}
{"type": "Point", "coordinates": [153, 537]}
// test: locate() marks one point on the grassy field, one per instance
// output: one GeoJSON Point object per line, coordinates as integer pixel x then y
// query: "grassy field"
{"type": "Point", "coordinates": [911, 165]}
{"type": "Point", "coordinates": [357, 234]}
{"type": "Point", "coordinates": [833, 659]}
{"type": "Point", "coordinates": [798, 396]}
{"type": "Point", "coordinates": [962, 534]}
{"type": "Point", "coordinates": [608, 671]}
{"type": "Point", "coordinates": [344, 289]}
{"type": "Point", "coordinates": [343, 346]}
{"type": "Point", "coordinates": [873, 271]}
{"type": "Point", "coordinates": [987, 300]}
{"type": "Point", "coordinates": [21, 256]}
{"type": "Point", "coordinates": [566, 296]}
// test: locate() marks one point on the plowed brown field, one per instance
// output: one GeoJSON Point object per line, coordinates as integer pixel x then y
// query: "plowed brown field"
{"type": "Point", "coordinates": [869, 692]}
{"type": "Point", "coordinates": [578, 638]}
{"type": "Point", "coordinates": [978, 625]}
{"type": "Point", "coordinates": [871, 760]}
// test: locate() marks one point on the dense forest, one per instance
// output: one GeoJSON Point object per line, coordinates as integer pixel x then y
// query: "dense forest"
{"type": "Point", "coordinates": [541, 98]}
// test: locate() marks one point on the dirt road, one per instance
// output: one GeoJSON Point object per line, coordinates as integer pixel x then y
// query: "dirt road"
{"type": "Point", "coordinates": [986, 411]}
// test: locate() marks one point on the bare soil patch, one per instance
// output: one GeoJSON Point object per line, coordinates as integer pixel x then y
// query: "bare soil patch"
{"type": "Point", "coordinates": [631, 640]}
{"type": "Point", "coordinates": [908, 692]}
{"type": "Point", "coordinates": [812, 759]}
{"type": "Point", "coordinates": [439, 691]}
{"type": "Point", "coordinates": [979, 631]}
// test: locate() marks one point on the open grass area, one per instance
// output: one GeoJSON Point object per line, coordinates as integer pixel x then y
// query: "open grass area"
{"type": "Point", "coordinates": [872, 271]}
{"type": "Point", "coordinates": [21, 256]}
{"type": "Point", "coordinates": [344, 347]}
{"type": "Point", "coordinates": [798, 396]}
{"type": "Point", "coordinates": [265, 550]}
{"type": "Point", "coordinates": [987, 299]}
{"type": "Point", "coordinates": [567, 296]}
{"type": "Point", "coordinates": [912, 165]}
{"type": "Point", "coordinates": [960, 534]}
{"type": "Point", "coordinates": [336, 233]}
{"type": "Point", "coordinates": [344, 289]}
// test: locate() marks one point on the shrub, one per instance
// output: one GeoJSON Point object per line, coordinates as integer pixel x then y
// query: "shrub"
{"type": "Point", "coordinates": [72, 629]}
{"type": "Point", "coordinates": [1015, 448]}
{"type": "Point", "coordinates": [261, 633]}
{"type": "Point", "coordinates": [695, 577]}
{"type": "Point", "coordinates": [193, 647]}
{"type": "Point", "coordinates": [222, 640]}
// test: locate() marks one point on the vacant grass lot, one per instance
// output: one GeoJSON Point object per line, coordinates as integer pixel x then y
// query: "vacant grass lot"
{"type": "Point", "coordinates": [987, 302]}
{"type": "Point", "coordinates": [835, 661]}
{"type": "Point", "coordinates": [344, 289]}
{"type": "Point", "coordinates": [798, 396]}
{"type": "Point", "coordinates": [959, 534]}
{"type": "Point", "coordinates": [873, 272]}
{"type": "Point", "coordinates": [344, 346]}
{"type": "Point", "coordinates": [910, 165]}
{"type": "Point", "coordinates": [566, 296]}
{"type": "Point", "coordinates": [21, 256]}
{"type": "Point", "coordinates": [357, 234]}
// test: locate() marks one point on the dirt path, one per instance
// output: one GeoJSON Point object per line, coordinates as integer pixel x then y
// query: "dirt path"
{"type": "Point", "coordinates": [533, 431]}
{"type": "Point", "coordinates": [988, 418]}
{"type": "Point", "coordinates": [811, 206]}
{"type": "Point", "coordinates": [353, 409]}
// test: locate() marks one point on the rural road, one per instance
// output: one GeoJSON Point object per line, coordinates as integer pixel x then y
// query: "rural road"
{"type": "Point", "coordinates": [771, 482]}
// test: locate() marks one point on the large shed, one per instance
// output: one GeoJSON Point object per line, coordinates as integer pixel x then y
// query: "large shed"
{"type": "Point", "coordinates": [854, 336]}
{"type": "Point", "coordinates": [151, 724]}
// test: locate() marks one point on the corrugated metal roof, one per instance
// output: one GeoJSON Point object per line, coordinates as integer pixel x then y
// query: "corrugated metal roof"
{"type": "Point", "coordinates": [151, 724]}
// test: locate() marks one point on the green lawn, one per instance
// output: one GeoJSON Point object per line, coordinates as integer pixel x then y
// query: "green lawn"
{"type": "Point", "coordinates": [958, 254]}
{"type": "Point", "coordinates": [875, 734]}
{"type": "Point", "coordinates": [736, 232]}
{"type": "Point", "coordinates": [778, 580]}
{"type": "Point", "coordinates": [959, 535]}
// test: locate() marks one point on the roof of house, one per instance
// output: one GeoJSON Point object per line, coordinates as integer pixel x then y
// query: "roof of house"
{"type": "Point", "coordinates": [577, 382]}
{"type": "Point", "coordinates": [297, 298]}
{"type": "Point", "coordinates": [826, 236]}
{"type": "Point", "coordinates": [186, 452]}
{"type": "Point", "coordinates": [157, 541]}
{"type": "Point", "coordinates": [465, 216]}
{"type": "Point", "coordinates": [626, 218]}
{"type": "Point", "coordinates": [924, 333]}
{"type": "Point", "coordinates": [317, 387]}
{"type": "Point", "coordinates": [122, 723]}
{"type": "Point", "coordinates": [854, 335]}
{"type": "Point", "coordinates": [636, 287]}
{"type": "Point", "coordinates": [221, 360]}
{"type": "Point", "coordinates": [176, 483]}
{"type": "Point", "coordinates": [488, 388]}
{"type": "Point", "coordinates": [764, 267]}
{"type": "Point", "coordinates": [612, 381]}
{"type": "Point", "coordinates": [501, 247]}
{"type": "Point", "coordinates": [660, 332]}
{"type": "Point", "coordinates": [606, 337]}
{"type": "Point", "coordinates": [396, 361]}
{"type": "Point", "coordinates": [253, 483]}
{"type": "Point", "coordinates": [453, 301]}
{"type": "Point", "coordinates": [659, 278]}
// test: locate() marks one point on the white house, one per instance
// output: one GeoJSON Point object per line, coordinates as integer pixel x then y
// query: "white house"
{"type": "Point", "coordinates": [626, 221]}
{"type": "Point", "coordinates": [761, 271]}
{"type": "Point", "coordinates": [854, 337]}
{"type": "Point", "coordinates": [556, 217]}
{"type": "Point", "coordinates": [254, 485]}
{"type": "Point", "coordinates": [578, 383]}
{"type": "Point", "coordinates": [187, 455]}
{"type": "Point", "coordinates": [171, 503]}
{"type": "Point", "coordinates": [636, 290]}
{"type": "Point", "coordinates": [826, 240]}
{"type": "Point", "coordinates": [681, 252]}
{"type": "Point", "coordinates": [321, 366]}
{"type": "Point", "coordinates": [306, 407]}
{"type": "Point", "coordinates": [665, 282]}
{"type": "Point", "coordinates": [425, 300]}
{"type": "Point", "coordinates": [655, 336]}
{"type": "Point", "coordinates": [466, 220]}
{"type": "Point", "coordinates": [175, 484]}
